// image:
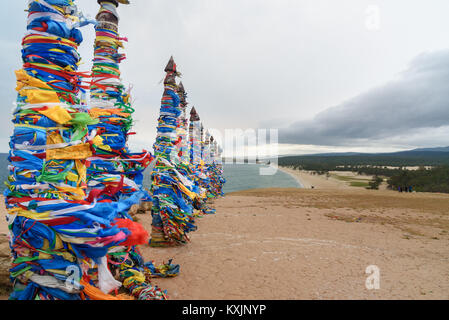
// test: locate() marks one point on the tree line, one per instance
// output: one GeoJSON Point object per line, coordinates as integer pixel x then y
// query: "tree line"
{"type": "Point", "coordinates": [435, 179]}
{"type": "Point", "coordinates": [422, 180]}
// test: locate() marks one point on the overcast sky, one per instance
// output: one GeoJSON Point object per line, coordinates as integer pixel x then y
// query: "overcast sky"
{"type": "Point", "coordinates": [330, 75]}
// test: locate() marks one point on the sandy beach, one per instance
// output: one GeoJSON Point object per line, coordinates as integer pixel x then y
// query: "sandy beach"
{"type": "Point", "coordinates": [313, 244]}
{"type": "Point", "coordinates": [335, 181]}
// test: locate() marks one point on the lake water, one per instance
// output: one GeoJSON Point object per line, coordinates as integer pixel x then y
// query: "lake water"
{"type": "Point", "coordinates": [239, 177]}
{"type": "Point", "coordinates": [247, 176]}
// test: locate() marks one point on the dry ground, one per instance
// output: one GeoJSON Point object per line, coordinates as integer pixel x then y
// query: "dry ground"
{"type": "Point", "coordinates": [314, 244]}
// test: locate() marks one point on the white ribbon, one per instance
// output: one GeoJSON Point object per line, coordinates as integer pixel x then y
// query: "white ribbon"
{"type": "Point", "coordinates": [106, 281]}
{"type": "Point", "coordinates": [53, 16]}
{"type": "Point", "coordinates": [47, 147]}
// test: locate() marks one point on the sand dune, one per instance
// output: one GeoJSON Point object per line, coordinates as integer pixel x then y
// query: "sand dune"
{"type": "Point", "coordinates": [304, 244]}
{"type": "Point", "coordinates": [314, 244]}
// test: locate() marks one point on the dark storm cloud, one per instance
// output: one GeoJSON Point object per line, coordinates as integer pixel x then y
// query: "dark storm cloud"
{"type": "Point", "coordinates": [417, 100]}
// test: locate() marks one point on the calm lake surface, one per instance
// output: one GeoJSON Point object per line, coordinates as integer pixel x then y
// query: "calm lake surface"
{"type": "Point", "coordinates": [247, 176]}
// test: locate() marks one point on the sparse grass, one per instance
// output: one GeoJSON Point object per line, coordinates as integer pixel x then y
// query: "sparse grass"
{"type": "Point", "coordinates": [359, 184]}
{"type": "Point", "coordinates": [346, 178]}
{"type": "Point", "coordinates": [350, 178]}
{"type": "Point", "coordinates": [352, 181]}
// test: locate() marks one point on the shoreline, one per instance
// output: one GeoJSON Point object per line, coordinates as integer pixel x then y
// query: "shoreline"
{"type": "Point", "coordinates": [309, 181]}
{"type": "Point", "coordinates": [303, 185]}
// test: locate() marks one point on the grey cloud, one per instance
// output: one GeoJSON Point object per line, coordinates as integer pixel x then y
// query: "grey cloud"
{"type": "Point", "coordinates": [244, 63]}
{"type": "Point", "coordinates": [416, 101]}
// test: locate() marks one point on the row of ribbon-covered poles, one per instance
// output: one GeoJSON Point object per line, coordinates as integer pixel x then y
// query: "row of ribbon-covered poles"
{"type": "Point", "coordinates": [72, 178]}
{"type": "Point", "coordinates": [187, 172]}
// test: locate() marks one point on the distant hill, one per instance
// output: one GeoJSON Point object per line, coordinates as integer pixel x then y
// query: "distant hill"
{"type": "Point", "coordinates": [344, 154]}
{"type": "Point", "coordinates": [338, 154]}
{"type": "Point", "coordinates": [418, 157]}
{"type": "Point", "coordinates": [440, 149]}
